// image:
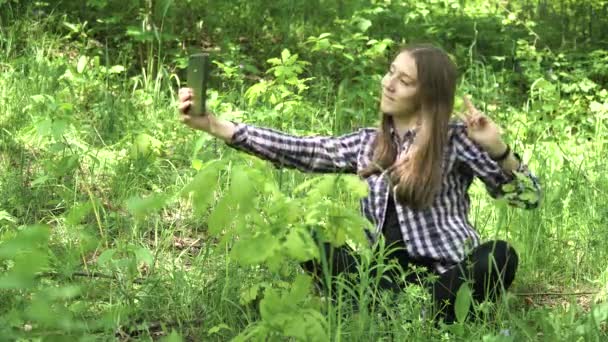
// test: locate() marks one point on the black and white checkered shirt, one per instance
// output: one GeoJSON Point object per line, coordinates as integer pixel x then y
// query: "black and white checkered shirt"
{"type": "Point", "coordinates": [441, 232]}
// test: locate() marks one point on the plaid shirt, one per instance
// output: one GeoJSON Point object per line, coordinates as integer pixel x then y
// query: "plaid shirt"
{"type": "Point", "coordinates": [441, 232]}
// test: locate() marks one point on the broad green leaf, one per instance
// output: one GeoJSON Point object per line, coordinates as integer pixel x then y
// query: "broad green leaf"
{"type": "Point", "coordinates": [27, 239]}
{"type": "Point", "coordinates": [106, 257]}
{"type": "Point", "coordinates": [255, 250]}
{"type": "Point", "coordinates": [136, 33]}
{"type": "Point", "coordinates": [509, 187]}
{"type": "Point", "coordinates": [600, 313]}
{"type": "Point", "coordinates": [82, 63]}
{"type": "Point", "coordinates": [300, 288]}
{"type": "Point", "coordinates": [300, 246]}
{"type": "Point", "coordinates": [355, 185]}
{"type": "Point", "coordinates": [71, 26]}
{"type": "Point", "coordinates": [41, 310]}
{"type": "Point", "coordinates": [256, 91]}
{"type": "Point", "coordinates": [292, 61]}
{"type": "Point", "coordinates": [338, 234]}
{"type": "Point", "coordinates": [355, 225]}
{"type": "Point", "coordinates": [44, 127]}
{"type": "Point", "coordinates": [291, 211]}
{"type": "Point", "coordinates": [285, 54]}
{"type": "Point", "coordinates": [5, 216]}
{"type": "Point", "coordinates": [251, 293]}
{"type": "Point", "coordinates": [144, 255]}
{"type": "Point", "coordinates": [173, 337]}
{"type": "Point", "coordinates": [117, 69]}
{"type": "Point", "coordinates": [63, 292]}
{"type": "Point", "coordinates": [597, 107]}
{"type": "Point", "coordinates": [220, 217]}
{"type": "Point", "coordinates": [307, 325]}
{"type": "Point", "coordinates": [529, 197]}
{"type": "Point", "coordinates": [39, 98]}
{"type": "Point", "coordinates": [274, 61]}
{"type": "Point", "coordinates": [15, 281]}
{"type": "Point", "coordinates": [241, 189]}
{"type": "Point", "coordinates": [216, 329]}
{"type": "Point", "coordinates": [363, 24]}
{"type": "Point", "coordinates": [499, 338]}
{"type": "Point", "coordinates": [327, 185]}
{"type": "Point", "coordinates": [321, 189]}
{"type": "Point", "coordinates": [272, 304]}
{"type": "Point", "coordinates": [296, 328]}
{"type": "Point", "coordinates": [59, 127]}
{"type": "Point", "coordinates": [78, 212]}
{"type": "Point", "coordinates": [275, 262]}
{"type": "Point", "coordinates": [145, 146]}
{"type": "Point", "coordinates": [197, 164]}
{"type": "Point", "coordinates": [349, 57]}
{"type": "Point", "coordinates": [316, 326]}
{"type": "Point", "coordinates": [203, 186]}
{"type": "Point", "coordinates": [587, 85]}
{"type": "Point", "coordinates": [463, 302]}
{"type": "Point", "coordinates": [66, 165]}
{"type": "Point", "coordinates": [25, 267]}
{"type": "Point", "coordinates": [141, 207]}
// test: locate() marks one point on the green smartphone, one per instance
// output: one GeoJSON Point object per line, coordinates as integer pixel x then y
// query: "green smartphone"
{"type": "Point", "coordinates": [198, 73]}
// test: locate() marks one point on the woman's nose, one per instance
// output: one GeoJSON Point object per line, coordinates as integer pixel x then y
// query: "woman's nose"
{"type": "Point", "coordinates": [388, 84]}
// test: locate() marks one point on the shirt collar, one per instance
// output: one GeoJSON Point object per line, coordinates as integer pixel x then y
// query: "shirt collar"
{"type": "Point", "coordinates": [409, 134]}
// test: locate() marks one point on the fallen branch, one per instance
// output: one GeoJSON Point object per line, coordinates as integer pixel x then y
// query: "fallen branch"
{"type": "Point", "coordinates": [555, 293]}
{"type": "Point", "coordinates": [85, 275]}
{"type": "Point", "coordinates": [153, 327]}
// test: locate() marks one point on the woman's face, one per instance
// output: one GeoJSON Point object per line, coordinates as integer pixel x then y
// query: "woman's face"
{"type": "Point", "coordinates": [400, 87]}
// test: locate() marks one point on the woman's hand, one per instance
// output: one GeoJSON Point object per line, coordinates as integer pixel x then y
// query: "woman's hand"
{"type": "Point", "coordinates": [482, 130]}
{"type": "Point", "coordinates": [209, 123]}
{"type": "Point", "coordinates": [200, 122]}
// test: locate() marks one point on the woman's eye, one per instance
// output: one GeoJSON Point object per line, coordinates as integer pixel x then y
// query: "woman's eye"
{"type": "Point", "coordinates": [404, 83]}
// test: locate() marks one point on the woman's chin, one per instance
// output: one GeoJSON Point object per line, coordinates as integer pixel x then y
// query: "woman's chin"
{"type": "Point", "coordinates": [386, 109]}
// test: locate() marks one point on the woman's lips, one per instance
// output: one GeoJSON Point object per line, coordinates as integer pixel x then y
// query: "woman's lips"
{"type": "Point", "coordinates": [388, 97]}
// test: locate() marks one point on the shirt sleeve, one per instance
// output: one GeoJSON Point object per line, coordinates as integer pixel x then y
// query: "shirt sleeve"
{"type": "Point", "coordinates": [309, 154]}
{"type": "Point", "coordinates": [520, 188]}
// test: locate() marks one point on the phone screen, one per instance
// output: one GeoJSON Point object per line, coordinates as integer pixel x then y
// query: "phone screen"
{"type": "Point", "coordinates": [198, 72]}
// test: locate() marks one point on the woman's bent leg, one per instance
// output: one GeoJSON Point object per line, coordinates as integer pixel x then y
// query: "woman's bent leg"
{"type": "Point", "coordinates": [490, 268]}
{"type": "Point", "coordinates": [342, 260]}
{"type": "Point", "coordinates": [334, 261]}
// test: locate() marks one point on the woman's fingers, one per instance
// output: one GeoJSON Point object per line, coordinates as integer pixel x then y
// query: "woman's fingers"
{"type": "Point", "coordinates": [185, 94]}
{"type": "Point", "coordinates": [465, 114]}
{"type": "Point", "coordinates": [184, 107]}
{"type": "Point", "coordinates": [185, 118]}
{"type": "Point", "coordinates": [478, 122]}
{"type": "Point", "coordinates": [184, 97]}
{"type": "Point", "coordinates": [469, 105]}
{"type": "Point", "coordinates": [473, 113]}
{"type": "Point", "coordinates": [473, 122]}
{"type": "Point", "coordinates": [185, 91]}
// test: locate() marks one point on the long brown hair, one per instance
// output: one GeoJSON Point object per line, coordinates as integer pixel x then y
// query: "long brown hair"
{"type": "Point", "coordinates": [418, 174]}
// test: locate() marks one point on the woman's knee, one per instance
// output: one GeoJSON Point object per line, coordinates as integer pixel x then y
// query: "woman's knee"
{"type": "Point", "coordinates": [505, 256]}
{"type": "Point", "coordinates": [495, 256]}
{"type": "Point", "coordinates": [510, 264]}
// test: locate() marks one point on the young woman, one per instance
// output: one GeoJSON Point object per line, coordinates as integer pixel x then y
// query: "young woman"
{"type": "Point", "coordinates": [419, 166]}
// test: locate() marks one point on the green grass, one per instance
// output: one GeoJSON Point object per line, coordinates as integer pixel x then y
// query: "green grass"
{"type": "Point", "coordinates": [67, 161]}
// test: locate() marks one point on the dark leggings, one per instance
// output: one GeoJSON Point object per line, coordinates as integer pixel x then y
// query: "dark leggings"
{"type": "Point", "coordinates": [489, 268]}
